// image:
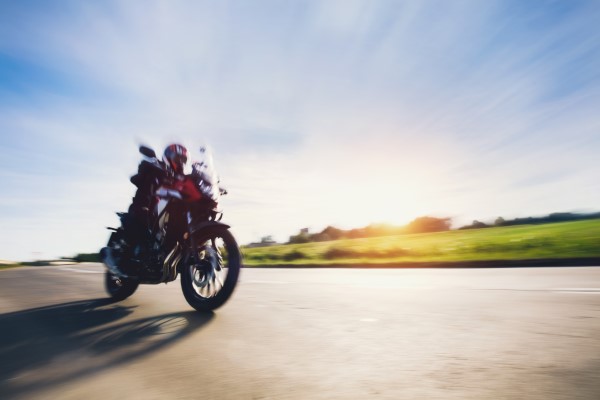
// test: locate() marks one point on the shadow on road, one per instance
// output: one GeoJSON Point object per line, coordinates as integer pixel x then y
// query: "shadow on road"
{"type": "Point", "coordinates": [48, 346]}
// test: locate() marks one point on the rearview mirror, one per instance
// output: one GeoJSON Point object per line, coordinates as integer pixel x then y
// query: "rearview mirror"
{"type": "Point", "coordinates": [147, 151]}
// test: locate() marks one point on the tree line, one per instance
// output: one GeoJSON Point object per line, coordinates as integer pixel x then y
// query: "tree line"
{"type": "Point", "coordinates": [551, 218]}
{"type": "Point", "coordinates": [419, 225]}
{"type": "Point", "coordinates": [427, 225]}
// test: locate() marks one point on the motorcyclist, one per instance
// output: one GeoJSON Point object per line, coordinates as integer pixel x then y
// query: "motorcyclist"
{"type": "Point", "coordinates": [151, 174]}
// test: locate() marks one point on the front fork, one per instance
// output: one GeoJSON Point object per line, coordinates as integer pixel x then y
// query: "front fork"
{"type": "Point", "coordinates": [211, 253]}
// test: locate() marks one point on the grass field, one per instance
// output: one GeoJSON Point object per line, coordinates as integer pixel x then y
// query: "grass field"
{"type": "Point", "coordinates": [524, 242]}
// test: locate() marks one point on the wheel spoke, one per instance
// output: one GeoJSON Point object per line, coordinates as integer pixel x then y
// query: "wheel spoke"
{"type": "Point", "coordinates": [208, 280]}
{"type": "Point", "coordinates": [208, 272]}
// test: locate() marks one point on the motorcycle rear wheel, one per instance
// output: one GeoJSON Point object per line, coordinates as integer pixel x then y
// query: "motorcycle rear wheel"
{"type": "Point", "coordinates": [119, 288]}
{"type": "Point", "coordinates": [205, 287]}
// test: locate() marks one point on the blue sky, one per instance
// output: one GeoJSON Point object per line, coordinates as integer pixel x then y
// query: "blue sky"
{"type": "Point", "coordinates": [319, 112]}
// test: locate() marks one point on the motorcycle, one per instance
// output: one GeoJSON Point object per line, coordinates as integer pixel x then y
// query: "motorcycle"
{"type": "Point", "coordinates": [182, 235]}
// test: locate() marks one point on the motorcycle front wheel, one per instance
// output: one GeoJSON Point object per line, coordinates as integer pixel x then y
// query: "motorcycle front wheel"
{"type": "Point", "coordinates": [210, 275]}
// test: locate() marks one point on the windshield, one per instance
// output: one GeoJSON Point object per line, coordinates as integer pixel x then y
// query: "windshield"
{"type": "Point", "coordinates": [203, 167]}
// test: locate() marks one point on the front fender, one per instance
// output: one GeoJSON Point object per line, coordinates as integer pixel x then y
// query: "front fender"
{"type": "Point", "coordinates": [194, 229]}
{"type": "Point", "coordinates": [199, 226]}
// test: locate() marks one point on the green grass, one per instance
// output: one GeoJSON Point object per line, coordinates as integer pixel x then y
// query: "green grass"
{"type": "Point", "coordinates": [524, 242]}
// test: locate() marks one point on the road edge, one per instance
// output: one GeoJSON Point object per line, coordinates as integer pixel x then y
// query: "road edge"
{"type": "Point", "coordinates": [527, 263]}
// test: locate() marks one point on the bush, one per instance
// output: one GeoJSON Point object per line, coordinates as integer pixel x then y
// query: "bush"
{"type": "Point", "coordinates": [336, 252]}
{"type": "Point", "coordinates": [294, 255]}
{"type": "Point", "coordinates": [260, 256]}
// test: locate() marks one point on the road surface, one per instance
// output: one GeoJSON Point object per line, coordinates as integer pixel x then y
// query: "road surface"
{"type": "Point", "coordinates": [514, 333]}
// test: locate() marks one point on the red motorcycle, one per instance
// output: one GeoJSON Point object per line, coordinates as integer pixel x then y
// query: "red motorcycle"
{"type": "Point", "coordinates": [183, 236]}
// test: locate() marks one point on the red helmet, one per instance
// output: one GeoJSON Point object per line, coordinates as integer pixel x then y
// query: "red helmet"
{"type": "Point", "coordinates": [176, 157]}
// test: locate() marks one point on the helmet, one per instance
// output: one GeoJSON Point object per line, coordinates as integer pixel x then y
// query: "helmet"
{"type": "Point", "coordinates": [175, 156]}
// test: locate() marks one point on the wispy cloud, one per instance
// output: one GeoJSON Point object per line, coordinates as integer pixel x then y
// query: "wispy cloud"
{"type": "Point", "coordinates": [320, 113]}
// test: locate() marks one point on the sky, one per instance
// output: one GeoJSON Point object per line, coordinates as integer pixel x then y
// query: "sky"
{"type": "Point", "coordinates": [318, 113]}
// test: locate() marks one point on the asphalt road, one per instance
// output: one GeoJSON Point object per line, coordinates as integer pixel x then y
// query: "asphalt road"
{"type": "Point", "coordinates": [514, 333]}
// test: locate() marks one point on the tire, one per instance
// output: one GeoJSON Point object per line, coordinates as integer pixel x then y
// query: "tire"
{"type": "Point", "coordinates": [196, 272]}
{"type": "Point", "coordinates": [119, 288]}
